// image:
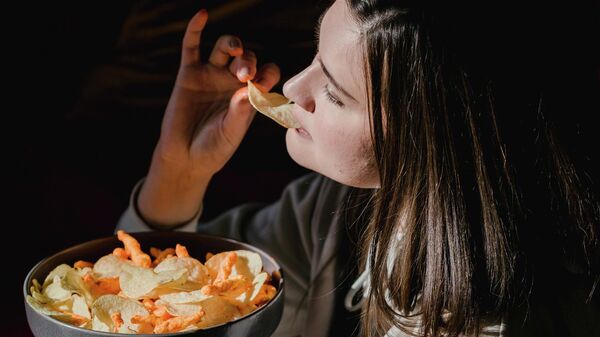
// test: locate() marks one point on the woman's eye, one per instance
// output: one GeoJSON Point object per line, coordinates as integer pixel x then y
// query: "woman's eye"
{"type": "Point", "coordinates": [332, 98]}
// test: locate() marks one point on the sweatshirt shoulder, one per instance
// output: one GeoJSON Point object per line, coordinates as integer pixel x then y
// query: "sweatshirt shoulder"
{"type": "Point", "coordinates": [317, 180]}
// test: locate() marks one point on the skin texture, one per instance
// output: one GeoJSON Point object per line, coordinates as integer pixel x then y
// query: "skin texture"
{"type": "Point", "coordinates": [336, 141]}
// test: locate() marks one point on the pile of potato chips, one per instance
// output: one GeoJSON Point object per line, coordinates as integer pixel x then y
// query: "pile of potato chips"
{"type": "Point", "coordinates": [127, 291]}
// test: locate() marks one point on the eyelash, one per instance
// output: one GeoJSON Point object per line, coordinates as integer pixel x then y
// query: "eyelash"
{"type": "Point", "coordinates": [332, 98]}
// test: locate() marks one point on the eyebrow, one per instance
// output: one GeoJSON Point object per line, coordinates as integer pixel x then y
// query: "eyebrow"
{"type": "Point", "coordinates": [335, 84]}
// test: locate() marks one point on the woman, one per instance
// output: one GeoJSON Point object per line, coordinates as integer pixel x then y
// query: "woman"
{"type": "Point", "coordinates": [437, 169]}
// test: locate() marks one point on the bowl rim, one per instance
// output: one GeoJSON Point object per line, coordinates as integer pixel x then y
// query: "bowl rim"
{"type": "Point", "coordinates": [28, 281]}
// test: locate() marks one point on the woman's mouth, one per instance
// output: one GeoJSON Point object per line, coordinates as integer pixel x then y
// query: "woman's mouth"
{"type": "Point", "coordinates": [303, 133]}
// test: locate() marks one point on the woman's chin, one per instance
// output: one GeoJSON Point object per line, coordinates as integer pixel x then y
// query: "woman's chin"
{"type": "Point", "coordinates": [298, 152]}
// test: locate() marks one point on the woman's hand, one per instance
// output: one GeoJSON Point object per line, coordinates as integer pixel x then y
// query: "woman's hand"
{"type": "Point", "coordinates": [206, 119]}
{"type": "Point", "coordinates": [208, 113]}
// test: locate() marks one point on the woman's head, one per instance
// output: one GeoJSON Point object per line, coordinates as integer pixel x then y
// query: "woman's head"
{"type": "Point", "coordinates": [331, 104]}
{"type": "Point", "coordinates": [451, 120]}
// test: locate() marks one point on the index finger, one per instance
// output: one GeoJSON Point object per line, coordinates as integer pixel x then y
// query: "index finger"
{"type": "Point", "coordinates": [190, 52]}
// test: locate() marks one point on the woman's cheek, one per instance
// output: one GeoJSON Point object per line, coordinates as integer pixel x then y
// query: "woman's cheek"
{"type": "Point", "coordinates": [328, 133]}
{"type": "Point", "coordinates": [336, 140]}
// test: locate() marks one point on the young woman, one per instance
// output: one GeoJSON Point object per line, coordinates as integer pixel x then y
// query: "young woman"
{"type": "Point", "coordinates": [440, 190]}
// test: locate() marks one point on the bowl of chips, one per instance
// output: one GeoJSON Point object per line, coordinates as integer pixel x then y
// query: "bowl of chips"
{"type": "Point", "coordinates": [188, 285]}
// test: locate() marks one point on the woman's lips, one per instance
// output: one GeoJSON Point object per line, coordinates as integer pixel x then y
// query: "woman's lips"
{"type": "Point", "coordinates": [303, 133]}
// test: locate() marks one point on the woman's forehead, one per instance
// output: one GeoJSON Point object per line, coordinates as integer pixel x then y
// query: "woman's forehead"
{"type": "Point", "coordinates": [339, 49]}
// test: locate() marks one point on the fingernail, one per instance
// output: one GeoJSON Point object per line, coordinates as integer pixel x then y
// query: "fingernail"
{"type": "Point", "coordinates": [243, 73]}
{"type": "Point", "coordinates": [235, 43]}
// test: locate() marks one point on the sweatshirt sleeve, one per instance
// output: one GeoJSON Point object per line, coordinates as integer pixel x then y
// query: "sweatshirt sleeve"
{"type": "Point", "coordinates": [132, 222]}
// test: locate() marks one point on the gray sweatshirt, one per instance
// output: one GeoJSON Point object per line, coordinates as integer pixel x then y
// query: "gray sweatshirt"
{"type": "Point", "coordinates": [308, 234]}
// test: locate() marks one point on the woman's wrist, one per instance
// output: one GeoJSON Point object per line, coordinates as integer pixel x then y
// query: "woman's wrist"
{"type": "Point", "coordinates": [171, 195]}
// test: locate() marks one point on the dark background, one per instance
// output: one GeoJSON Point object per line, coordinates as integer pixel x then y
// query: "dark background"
{"type": "Point", "coordinates": [89, 81]}
{"type": "Point", "coordinates": [85, 87]}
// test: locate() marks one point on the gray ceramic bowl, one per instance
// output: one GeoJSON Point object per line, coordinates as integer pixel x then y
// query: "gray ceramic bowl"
{"type": "Point", "coordinates": [261, 322]}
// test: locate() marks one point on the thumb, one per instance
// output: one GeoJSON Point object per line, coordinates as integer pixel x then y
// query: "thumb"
{"type": "Point", "coordinates": [238, 117]}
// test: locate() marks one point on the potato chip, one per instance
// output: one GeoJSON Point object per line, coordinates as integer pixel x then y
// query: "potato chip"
{"type": "Point", "coordinates": [249, 296]}
{"type": "Point", "coordinates": [109, 266]}
{"type": "Point", "coordinates": [56, 291]}
{"type": "Point", "coordinates": [177, 286]}
{"type": "Point", "coordinates": [98, 325]}
{"type": "Point", "coordinates": [273, 105]}
{"type": "Point", "coordinates": [84, 271]}
{"type": "Point", "coordinates": [39, 297]}
{"type": "Point", "coordinates": [61, 270]}
{"type": "Point", "coordinates": [62, 305]}
{"type": "Point", "coordinates": [36, 285]}
{"type": "Point", "coordinates": [196, 271]}
{"type": "Point", "coordinates": [42, 307]}
{"type": "Point", "coordinates": [259, 280]}
{"type": "Point", "coordinates": [217, 310]}
{"type": "Point", "coordinates": [180, 309]}
{"type": "Point", "coordinates": [74, 283]}
{"type": "Point", "coordinates": [105, 306]}
{"type": "Point", "coordinates": [137, 282]}
{"type": "Point", "coordinates": [248, 264]}
{"type": "Point", "coordinates": [37, 292]}
{"type": "Point", "coordinates": [50, 310]}
{"type": "Point", "coordinates": [185, 297]}
{"type": "Point", "coordinates": [80, 307]}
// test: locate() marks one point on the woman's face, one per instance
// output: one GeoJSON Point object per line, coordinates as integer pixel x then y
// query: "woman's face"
{"type": "Point", "coordinates": [331, 106]}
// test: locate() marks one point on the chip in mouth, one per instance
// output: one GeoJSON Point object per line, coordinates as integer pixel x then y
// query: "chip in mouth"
{"type": "Point", "coordinates": [273, 105]}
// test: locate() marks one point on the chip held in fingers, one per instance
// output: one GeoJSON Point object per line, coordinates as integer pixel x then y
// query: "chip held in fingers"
{"type": "Point", "coordinates": [273, 105]}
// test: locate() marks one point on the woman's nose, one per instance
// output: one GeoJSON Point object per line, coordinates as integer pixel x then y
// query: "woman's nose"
{"type": "Point", "coordinates": [298, 89]}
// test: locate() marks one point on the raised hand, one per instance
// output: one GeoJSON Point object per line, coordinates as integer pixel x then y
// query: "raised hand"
{"type": "Point", "coordinates": [205, 121]}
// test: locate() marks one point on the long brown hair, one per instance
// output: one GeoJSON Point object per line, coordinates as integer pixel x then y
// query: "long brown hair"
{"type": "Point", "coordinates": [471, 170]}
